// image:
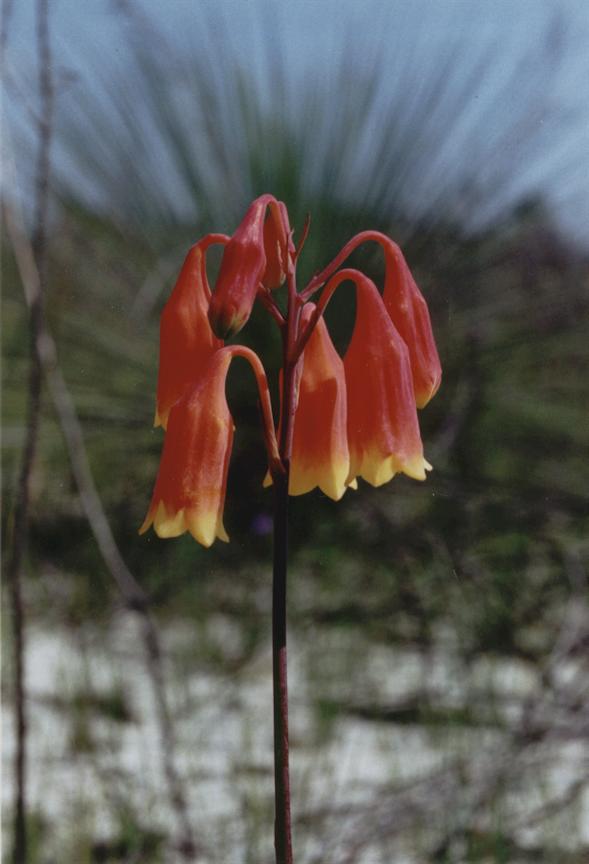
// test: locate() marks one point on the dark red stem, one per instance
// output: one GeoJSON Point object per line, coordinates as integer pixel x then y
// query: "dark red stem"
{"type": "Point", "coordinates": [282, 818]}
{"type": "Point", "coordinates": [320, 278]}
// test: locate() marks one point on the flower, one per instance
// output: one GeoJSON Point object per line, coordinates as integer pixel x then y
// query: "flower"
{"type": "Point", "coordinates": [340, 420]}
{"type": "Point", "coordinates": [383, 430]}
{"type": "Point", "coordinates": [320, 455]}
{"type": "Point", "coordinates": [186, 339]}
{"type": "Point", "coordinates": [409, 313]}
{"type": "Point", "coordinates": [189, 492]}
{"type": "Point", "coordinates": [406, 306]}
{"type": "Point", "coordinates": [245, 265]}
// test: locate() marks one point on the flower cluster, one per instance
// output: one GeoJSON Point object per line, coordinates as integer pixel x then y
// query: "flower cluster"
{"type": "Point", "coordinates": [340, 418]}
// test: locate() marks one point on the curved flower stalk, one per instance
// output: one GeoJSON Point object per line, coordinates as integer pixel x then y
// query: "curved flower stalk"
{"type": "Point", "coordinates": [406, 307]}
{"type": "Point", "coordinates": [189, 493]}
{"type": "Point", "coordinates": [383, 429]}
{"type": "Point", "coordinates": [339, 419]}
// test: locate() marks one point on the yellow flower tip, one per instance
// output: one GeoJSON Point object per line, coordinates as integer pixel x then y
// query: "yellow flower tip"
{"type": "Point", "coordinates": [329, 477]}
{"type": "Point", "coordinates": [333, 482]}
{"type": "Point", "coordinates": [372, 467]}
{"type": "Point", "coordinates": [168, 525]}
{"type": "Point", "coordinates": [203, 526]}
{"type": "Point", "coordinates": [221, 533]}
{"type": "Point", "coordinates": [334, 491]}
{"type": "Point", "coordinates": [161, 419]}
{"type": "Point", "coordinates": [352, 484]}
{"type": "Point", "coordinates": [377, 473]}
{"type": "Point", "coordinates": [416, 468]}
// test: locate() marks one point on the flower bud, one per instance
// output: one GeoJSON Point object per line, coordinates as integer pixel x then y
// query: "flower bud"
{"type": "Point", "coordinates": [278, 246]}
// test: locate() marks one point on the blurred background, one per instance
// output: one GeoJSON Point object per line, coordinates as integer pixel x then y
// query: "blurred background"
{"type": "Point", "coordinates": [438, 631]}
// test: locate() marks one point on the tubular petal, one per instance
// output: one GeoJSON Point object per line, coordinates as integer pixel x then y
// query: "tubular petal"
{"type": "Point", "coordinates": [406, 307]}
{"type": "Point", "coordinates": [189, 493]}
{"type": "Point", "coordinates": [243, 267]}
{"type": "Point", "coordinates": [409, 313]}
{"type": "Point", "coordinates": [383, 431]}
{"type": "Point", "coordinates": [320, 455]}
{"type": "Point", "coordinates": [186, 339]}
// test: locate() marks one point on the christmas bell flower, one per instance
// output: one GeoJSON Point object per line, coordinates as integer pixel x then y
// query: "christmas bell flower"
{"type": "Point", "coordinates": [320, 455]}
{"type": "Point", "coordinates": [406, 307]}
{"type": "Point", "coordinates": [383, 430]}
{"type": "Point", "coordinates": [244, 265]}
{"type": "Point", "coordinates": [339, 419]}
{"type": "Point", "coordinates": [409, 313]}
{"type": "Point", "coordinates": [186, 338]}
{"type": "Point", "coordinates": [189, 493]}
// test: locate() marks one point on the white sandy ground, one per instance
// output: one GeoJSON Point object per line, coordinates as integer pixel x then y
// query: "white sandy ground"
{"type": "Point", "coordinates": [224, 734]}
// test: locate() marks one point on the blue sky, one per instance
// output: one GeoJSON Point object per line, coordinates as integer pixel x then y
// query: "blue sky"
{"type": "Point", "coordinates": [312, 35]}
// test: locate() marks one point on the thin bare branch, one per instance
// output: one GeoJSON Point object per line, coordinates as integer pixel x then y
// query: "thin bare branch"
{"type": "Point", "coordinates": [133, 594]}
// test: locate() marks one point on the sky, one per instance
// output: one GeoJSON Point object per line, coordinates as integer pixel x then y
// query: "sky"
{"type": "Point", "coordinates": [313, 37]}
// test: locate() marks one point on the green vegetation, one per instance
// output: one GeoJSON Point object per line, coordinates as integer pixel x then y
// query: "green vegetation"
{"type": "Point", "coordinates": [490, 549]}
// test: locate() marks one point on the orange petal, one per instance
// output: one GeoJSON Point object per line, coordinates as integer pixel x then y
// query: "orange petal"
{"type": "Point", "coordinates": [383, 431]}
{"type": "Point", "coordinates": [244, 265]}
{"type": "Point", "coordinates": [186, 339]}
{"type": "Point", "coordinates": [409, 313]}
{"type": "Point", "coordinates": [320, 454]}
{"type": "Point", "coordinates": [189, 493]}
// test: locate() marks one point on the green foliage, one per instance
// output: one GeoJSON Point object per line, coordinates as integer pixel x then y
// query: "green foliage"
{"type": "Point", "coordinates": [482, 548]}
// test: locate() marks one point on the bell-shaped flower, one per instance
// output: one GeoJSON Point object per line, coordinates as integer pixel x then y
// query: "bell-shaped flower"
{"type": "Point", "coordinates": [320, 455]}
{"type": "Point", "coordinates": [189, 492]}
{"type": "Point", "coordinates": [383, 430]}
{"type": "Point", "coordinates": [245, 265]}
{"type": "Point", "coordinates": [409, 313]}
{"type": "Point", "coordinates": [186, 339]}
{"type": "Point", "coordinates": [406, 306]}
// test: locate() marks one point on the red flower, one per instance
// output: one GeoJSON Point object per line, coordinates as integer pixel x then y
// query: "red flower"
{"type": "Point", "coordinates": [383, 430]}
{"type": "Point", "coordinates": [245, 265]}
{"type": "Point", "coordinates": [186, 339]}
{"type": "Point", "coordinates": [340, 419]}
{"type": "Point", "coordinates": [320, 455]}
{"type": "Point", "coordinates": [189, 493]}
{"type": "Point", "coordinates": [409, 313]}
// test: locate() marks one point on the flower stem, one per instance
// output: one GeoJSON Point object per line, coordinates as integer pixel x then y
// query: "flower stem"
{"type": "Point", "coordinates": [282, 820]}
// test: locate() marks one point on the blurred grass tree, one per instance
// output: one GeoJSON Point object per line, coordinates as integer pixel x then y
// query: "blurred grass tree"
{"type": "Point", "coordinates": [183, 143]}
{"type": "Point", "coordinates": [178, 146]}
